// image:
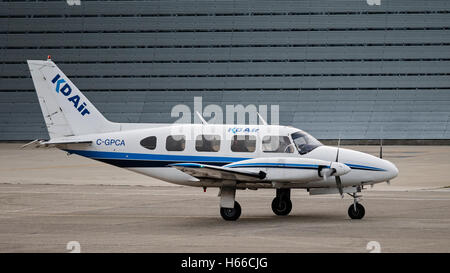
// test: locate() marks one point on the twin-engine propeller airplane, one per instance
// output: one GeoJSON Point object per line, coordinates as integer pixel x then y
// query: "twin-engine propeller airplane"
{"type": "Point", "coordinates": [228, 157]}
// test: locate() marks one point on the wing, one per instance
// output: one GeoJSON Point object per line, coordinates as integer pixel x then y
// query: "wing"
{"type": "Point", "coordinates": [219, 173]}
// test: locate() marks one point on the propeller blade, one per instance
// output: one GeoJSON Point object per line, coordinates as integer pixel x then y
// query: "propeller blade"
{"type": "Point", "coordinates": [339, 186]}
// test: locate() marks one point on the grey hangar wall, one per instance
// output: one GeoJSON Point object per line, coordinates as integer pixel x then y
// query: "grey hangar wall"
{"type": "Point", "coordinates": [336, 68]}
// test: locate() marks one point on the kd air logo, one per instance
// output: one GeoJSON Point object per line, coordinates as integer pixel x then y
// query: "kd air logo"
{"type": "Point", "coordinates": [242, 130]}
{"type": "Point", "coordinates": [66, 90]}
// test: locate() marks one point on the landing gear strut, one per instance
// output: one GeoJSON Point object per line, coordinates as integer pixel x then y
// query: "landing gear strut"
{"type": "Point", "coordinates": [281, 204]}
{"type": "Point", "coordinates": [356, 210]}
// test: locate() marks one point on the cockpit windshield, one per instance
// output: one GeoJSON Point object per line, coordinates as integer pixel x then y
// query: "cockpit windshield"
{"type": "Point", "coordinates": [304, 142]}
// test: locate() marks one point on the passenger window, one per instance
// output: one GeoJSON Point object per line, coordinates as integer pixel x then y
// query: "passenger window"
{"type": "Point", "coordinates": [207, 143]}
{"type": "Point", "coordinates": [149, 142]}
{"type": "Point", "coordinates": [175, 143]}
{"type": "Point", "coordinates": [277, 144]}
{"type": "Point", "coordinates": [243, 144]}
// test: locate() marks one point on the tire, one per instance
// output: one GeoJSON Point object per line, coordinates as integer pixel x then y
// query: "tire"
{"type": "Point", "coordinates": [231, 214]}
{"type": "Point", "coordinates": [358, 213]}
{"type": "Point", "coordinates": [281, 208]}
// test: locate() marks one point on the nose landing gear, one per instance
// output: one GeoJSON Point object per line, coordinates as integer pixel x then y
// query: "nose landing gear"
{"type": "Point", "coordinates": [356, 210]}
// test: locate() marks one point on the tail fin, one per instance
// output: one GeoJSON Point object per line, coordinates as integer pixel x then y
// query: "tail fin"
{"type": "Point", "coordinates": [67, 112]}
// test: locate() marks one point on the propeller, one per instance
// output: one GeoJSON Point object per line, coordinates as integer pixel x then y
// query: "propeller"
{"type": "Point", "coordinates": [337, 169]}
{"type": "Point", "coordinates": [338, 178]}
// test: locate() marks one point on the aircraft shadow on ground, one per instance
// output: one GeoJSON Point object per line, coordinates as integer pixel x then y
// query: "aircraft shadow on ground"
{"type": "Point", "coordinates": [269, 219]}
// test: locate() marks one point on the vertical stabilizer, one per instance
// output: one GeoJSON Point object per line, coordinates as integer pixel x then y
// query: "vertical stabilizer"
{"type": "Point", "coordinates": [67, 112]}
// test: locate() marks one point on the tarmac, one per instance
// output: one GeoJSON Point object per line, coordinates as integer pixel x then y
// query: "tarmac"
{"type": "Point", "coordinates": [49, 200]}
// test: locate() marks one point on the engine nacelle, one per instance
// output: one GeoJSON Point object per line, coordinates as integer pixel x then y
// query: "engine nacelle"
{"type": "Point", "coordinates": [289, 169]}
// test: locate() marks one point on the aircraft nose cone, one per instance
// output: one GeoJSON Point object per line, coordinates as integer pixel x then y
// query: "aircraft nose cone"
{"type": "Point", "coordinates": [392, 170]}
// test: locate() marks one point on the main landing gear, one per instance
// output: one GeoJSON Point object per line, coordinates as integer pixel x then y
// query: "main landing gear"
{"type": "Point", "coordinates": [281, 204]}
{"type": "Point", "coordinates": [230, 209]}
{"type": "Point", "coordinates": [231, 214]}
{"type": "Point", "coordinates": [356, 210]}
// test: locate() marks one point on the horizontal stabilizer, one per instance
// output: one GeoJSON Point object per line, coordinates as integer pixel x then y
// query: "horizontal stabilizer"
{"type": "Point", "coordinates": [53, 143]}
{"type": "Point", "coordinates": [219, 173]}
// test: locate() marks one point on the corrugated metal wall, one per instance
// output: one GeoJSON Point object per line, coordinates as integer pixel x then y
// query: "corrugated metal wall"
{"type": "Point", "coordinates": [336, 68]}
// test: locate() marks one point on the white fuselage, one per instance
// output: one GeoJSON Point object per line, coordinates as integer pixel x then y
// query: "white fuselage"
{"type": "Point", "coordinates": [124, 149]}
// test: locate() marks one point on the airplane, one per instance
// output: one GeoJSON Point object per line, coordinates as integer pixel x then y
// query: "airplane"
{"type": "Point", "coordinates": [224, 156]}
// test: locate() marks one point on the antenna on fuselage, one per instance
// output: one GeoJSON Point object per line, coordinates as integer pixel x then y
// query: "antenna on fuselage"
{"type": "Point", "coordinates": [261, 119]}
{"type": "Point", "coordinates": [381, 148]}
{"type": "Point", "coordinates": [381, 142]}
{"type": "Point", "coordinates": [201, 118]}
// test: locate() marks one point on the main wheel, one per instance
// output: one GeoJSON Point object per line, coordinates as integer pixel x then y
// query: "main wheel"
{"type": "Point", "coordinates": [231, 214]}
{"type": "Point", "coordinates": [281, 206]}
{"type": "Point", "coordinates": [357, 213]}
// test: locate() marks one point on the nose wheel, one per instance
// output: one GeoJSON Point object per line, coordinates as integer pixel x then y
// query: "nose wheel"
{"type": "Point", "coordinates": [356, 210]}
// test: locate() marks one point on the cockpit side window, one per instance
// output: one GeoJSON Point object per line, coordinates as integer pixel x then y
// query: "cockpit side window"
{"type": "Point", "coordinates": [304, 142]}
{"type": "Point", "coordinates": [277, 144]}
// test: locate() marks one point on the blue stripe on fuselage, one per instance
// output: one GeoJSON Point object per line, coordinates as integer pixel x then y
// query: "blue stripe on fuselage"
{"type": "Point", "coordinates": [152, 160]}
{"type": "Point", "coordinates": [159, 160]}
{"type": "Point", "coordinates": [362, 167]}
